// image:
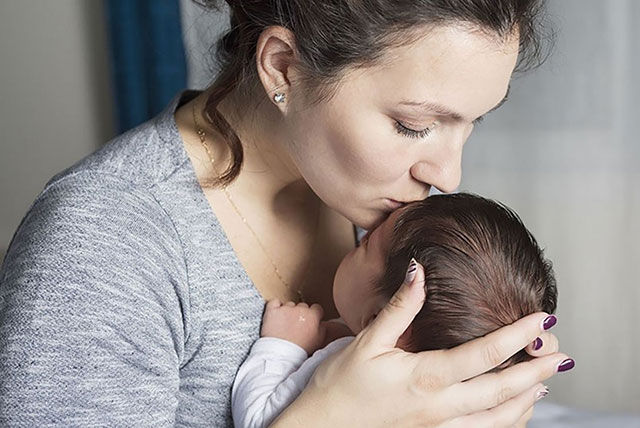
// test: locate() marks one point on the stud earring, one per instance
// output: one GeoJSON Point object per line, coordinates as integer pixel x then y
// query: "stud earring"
{"type": "Point", "coordinates": [279, 97]}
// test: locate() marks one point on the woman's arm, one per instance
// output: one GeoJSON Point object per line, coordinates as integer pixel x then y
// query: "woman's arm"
{"type": "Point", "coordinates": [91, 329]}
{"type": "Point", "coordinates": [373, 384]}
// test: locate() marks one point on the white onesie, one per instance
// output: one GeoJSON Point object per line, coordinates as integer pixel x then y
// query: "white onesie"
{"type": "Point", "coordinates": [273, 375]}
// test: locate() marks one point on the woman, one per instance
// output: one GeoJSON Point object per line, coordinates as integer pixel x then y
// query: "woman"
{"type": "Point", "coordinates": [135, 285]}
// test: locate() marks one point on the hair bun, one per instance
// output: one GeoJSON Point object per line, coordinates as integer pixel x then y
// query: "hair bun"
{"type": "Point", "coordinates": [233, 4]}
{"type": "Point", "coordinates": [216, 4]}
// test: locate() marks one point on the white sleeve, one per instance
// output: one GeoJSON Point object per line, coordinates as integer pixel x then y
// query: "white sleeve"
{"type": "Point", "coordinates": [273, 375]}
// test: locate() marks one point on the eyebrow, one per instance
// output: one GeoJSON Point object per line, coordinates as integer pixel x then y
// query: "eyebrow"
{"type": "Point", "coordinates": [445, 111]}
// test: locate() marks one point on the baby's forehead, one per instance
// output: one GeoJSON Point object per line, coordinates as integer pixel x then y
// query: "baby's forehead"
{"type": "Point", "coordinates": [398, 216]}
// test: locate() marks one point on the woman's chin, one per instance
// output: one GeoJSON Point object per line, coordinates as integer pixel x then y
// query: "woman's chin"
{"type": "Point", "coordinates": [372, 219]}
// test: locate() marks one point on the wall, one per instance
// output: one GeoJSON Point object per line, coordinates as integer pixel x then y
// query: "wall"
{"type": "Point", "coordinates": [564, 152]}
{"type": "Point", "coordinates": [55, 101]}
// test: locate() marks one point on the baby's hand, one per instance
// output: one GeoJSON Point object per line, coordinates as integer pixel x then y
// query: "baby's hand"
{"type": "Point", "coordinates": [299, 324]}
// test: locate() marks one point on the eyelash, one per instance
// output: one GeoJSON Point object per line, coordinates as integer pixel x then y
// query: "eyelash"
{"type": "Point", "coordinates": [412, 133]}
{"type": "Point", "coordinates": [478, 121]}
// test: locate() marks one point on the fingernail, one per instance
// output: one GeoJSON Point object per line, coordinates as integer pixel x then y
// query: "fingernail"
{"type": "Point", "coordinates": [537, 344]}
{"type": "Point", "coordinates": [411, 271]}
{"type": "Point", "coordinates": [566, 365]}
{"type": "Point", "coordinates": [542, 393]}
{"type": "Point", "coordinates": [549, 322]}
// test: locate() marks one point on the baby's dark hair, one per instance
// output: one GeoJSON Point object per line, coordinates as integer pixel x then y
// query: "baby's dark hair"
{"type": "Point", "coordinates": [483, 270]}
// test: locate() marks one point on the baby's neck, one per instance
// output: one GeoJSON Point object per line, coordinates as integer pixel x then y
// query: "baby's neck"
{"type": "Point", "coordinates": [335, 330]}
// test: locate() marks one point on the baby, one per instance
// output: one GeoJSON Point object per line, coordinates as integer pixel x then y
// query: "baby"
{"type": "Point", "coordinates": [483, 270]}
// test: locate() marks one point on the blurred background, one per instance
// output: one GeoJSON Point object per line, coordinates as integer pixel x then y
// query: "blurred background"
{"type": "Point", "coordinates": [563, 152]}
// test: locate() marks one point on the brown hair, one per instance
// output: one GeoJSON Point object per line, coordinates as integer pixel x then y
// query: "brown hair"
{"type": "Point", "coordinates": [336, 35]}
{"type": "Point", "coordinates": [483, 269]}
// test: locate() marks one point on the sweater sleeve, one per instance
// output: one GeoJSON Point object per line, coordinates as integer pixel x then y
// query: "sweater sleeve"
{"type": "Point", "coordinates": [274, 374]}
{"type": "Point", "coordinates": [92, 309]}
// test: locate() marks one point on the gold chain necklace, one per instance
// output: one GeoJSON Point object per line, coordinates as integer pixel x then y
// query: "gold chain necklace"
{"type": "Point", "coordinates": [202, 135]}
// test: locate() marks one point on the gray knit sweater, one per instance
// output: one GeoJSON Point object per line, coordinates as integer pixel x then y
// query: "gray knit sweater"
{"type": "Point", "coordinates": [121, 301]}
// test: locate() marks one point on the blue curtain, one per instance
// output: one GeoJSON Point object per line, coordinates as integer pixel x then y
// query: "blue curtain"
{"type": "Point", "coordinates": [148, 59]}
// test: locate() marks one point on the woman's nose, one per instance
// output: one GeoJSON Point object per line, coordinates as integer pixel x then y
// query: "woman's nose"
{"type": "Point", "coordinates": [441, 166]}
{"type": "Point", "coordinates": [444, 176]}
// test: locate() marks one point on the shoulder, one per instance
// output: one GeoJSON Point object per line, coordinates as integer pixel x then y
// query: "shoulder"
{"type": "Point", "coordinates": [143, 156]}
{"type": "Point", "coordinates": [94, 297]}
{"type": "Point", "coordinates": [97, 221]}
{"type": "Point", "coordinates": [92, 199]}
{"type": "Point", "coordinates": [94, 248]}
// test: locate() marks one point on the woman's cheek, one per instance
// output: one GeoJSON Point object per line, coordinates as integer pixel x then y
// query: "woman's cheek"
{"type": "Point", "coordinates": [370, 156]}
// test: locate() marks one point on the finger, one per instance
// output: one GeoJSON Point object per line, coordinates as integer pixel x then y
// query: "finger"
{"type": "Point", "coordinates": [505, 415]}
{"type": "Point", "coordinates": [492, 389]}
{"type": "Point", "coordinates": [290, 304]}
{"type": "Point", "coordinates": [522, 422]}
{"type": "Point", "coordinates": [317, 309]}
{"type": "Point", "coordinates": [273, 303]}
{"type": "Point", "coordinates": [302, 305]}
{"type": "Point", "coordinates": [546, 343]}
{"type": "Point", "coordinates": [484, 353]}
{"type": "Point", "coordinates": [396, 316]}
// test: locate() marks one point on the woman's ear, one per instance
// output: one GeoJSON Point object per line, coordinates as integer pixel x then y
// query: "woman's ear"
{"type": "Point", "coordinates": [276, 54]}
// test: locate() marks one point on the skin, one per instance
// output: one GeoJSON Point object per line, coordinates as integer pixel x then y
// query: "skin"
{"type": "Point", "coordinates": [342, 162]}
{"type": "Point", "coordinates": [423, 386]}
{"type": "Point", "coordinates": [358, 272]}
{"type": "Point", "coordinates": [353, 293]}
{"type": "Point", "coordinates": [355, 134]}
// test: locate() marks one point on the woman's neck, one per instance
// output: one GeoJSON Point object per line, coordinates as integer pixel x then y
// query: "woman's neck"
{"type": "Point", "coordinates": [268, 176]}
{"type": "Point", "coordinates": [274, 201]}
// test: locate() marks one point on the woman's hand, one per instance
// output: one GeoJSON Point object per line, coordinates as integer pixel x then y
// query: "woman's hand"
{"type": "Point", "coordinates": [371, 383]}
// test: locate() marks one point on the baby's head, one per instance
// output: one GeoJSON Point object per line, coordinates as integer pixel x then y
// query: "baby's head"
{"type": "Point", "coordinates": [483, 270]}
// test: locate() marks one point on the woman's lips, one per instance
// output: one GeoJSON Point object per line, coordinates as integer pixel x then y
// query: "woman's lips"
{"type": "Point", "coordinates": [393, 205]}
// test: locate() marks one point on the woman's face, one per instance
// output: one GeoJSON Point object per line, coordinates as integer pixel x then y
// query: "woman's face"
{"type": "Point", "coordinates": [393, 131]}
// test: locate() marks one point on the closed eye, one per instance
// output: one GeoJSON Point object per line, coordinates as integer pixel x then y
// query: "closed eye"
{"type": "Point", "coordinates": [412, 133]}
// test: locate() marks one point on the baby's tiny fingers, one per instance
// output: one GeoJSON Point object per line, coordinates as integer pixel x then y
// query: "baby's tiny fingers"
{"type": "Point", "coordinates": [545, 344]}
{"type": "Point", "coordinates": [318, 310]}
{"type": "Point", "coordinates": [303, 305]}
{"type": "Point", "coordinates": [290, 304]}
{"type": "Point", "coordinates": [274, 303]}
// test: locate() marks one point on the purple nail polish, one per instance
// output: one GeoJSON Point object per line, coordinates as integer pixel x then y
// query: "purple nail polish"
{"type": "Point", "coordinates": [537, 344]}
{"type": "Point", "coordinates": [567, 364]}
{"type": "Point", "coordinates": [549, 322]}
{"type": "Point", "coordinates": [411, 271]}
{"type": "Point", "coordinates": [543, 393]}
